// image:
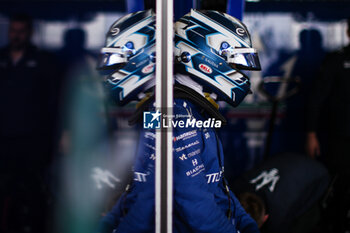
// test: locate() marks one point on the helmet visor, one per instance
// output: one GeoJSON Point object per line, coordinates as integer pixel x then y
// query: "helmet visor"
{"type": "Point", "coordinates": [112, 58]}
{"type": "Point", "coordinates": [244, 58]}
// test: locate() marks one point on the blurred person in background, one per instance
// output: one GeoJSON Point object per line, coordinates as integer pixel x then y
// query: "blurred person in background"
{"type": "Point", "coordinates": [27, 121]}
{"type": "Point", "coordinates": [79, 80]}
{"type": "Point", "coordinates": [331, 97]}
{"type": "Point", "coordinates": [307, 61]}
{"type": "Point", "coordinates": [301, 65]}
{"type": "Point", "coordinates": [74, 58]}
{"type": "Point", "coordinates": [82, 135]}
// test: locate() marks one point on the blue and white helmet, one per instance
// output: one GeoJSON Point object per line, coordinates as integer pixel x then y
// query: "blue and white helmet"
{"type": "Point", "coordinates": [128, 56]}
{"type": "Point", "coordinates": [212, 47]}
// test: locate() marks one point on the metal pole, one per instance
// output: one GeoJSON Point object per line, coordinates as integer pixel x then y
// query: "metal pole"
{"type": "Point", "coordinates": [164, 102]}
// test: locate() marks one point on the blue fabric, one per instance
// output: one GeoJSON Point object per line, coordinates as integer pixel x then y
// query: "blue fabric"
{"type": "Point", "coordinates": [200, 201]}
{"type": "Point", "coordinates": [135, 5]}
{"type": "Point", "coordinates": [235, 8]}
{"type": "Point", "coordinates": [182, 7]}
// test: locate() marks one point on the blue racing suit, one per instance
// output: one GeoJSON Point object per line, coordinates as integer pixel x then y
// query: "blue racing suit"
{"type": "Point", "coordinates": [201, 201]}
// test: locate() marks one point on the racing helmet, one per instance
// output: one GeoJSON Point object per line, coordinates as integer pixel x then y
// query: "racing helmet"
{"type": "Point", "coordinates": [128, 57]}
{"type": "Point", "coordinates": [213, 47]}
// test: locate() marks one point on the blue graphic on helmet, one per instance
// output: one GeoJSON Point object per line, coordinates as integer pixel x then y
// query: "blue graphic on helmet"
{"type": "Point", "coordinates": [128, 57]}
{"type": "Point", "coordinates": [212, 47]}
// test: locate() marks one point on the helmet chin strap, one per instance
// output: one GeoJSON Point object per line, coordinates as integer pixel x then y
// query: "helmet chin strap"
{"type": "Point", "coordinates": [211, 100]}
{"type": "Point", "coordinates": [187, 81]}
{"type": "Point", "coordinates": [146, 98]}
{"type": "Point", "coordinates": [207, 105]}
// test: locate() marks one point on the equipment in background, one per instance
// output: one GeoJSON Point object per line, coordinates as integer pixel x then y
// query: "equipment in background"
{"type": "Point", "coordinates": [292, 187]}
{"type": "Point", "coordinates": [276, 100]}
